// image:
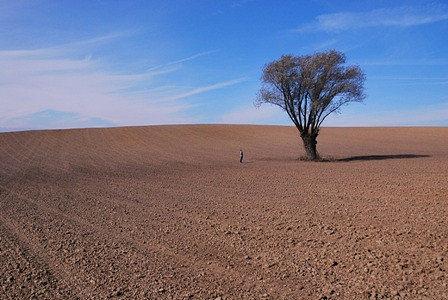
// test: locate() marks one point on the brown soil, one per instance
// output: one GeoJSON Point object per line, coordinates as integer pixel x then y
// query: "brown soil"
{"type": "Point", "coordinates": [168, 212]}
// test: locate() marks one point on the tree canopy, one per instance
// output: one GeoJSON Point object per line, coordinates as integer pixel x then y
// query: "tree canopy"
{"type": "Point", "coordinates": [310, 88]}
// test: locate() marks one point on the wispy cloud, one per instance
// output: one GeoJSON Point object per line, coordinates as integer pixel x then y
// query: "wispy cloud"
{"type": "Point", "coordinates": [413, 81]}
{"type": "Point", "coordinates": [208, 88]}
{"type": "Point", "coordinates": [52, 88]}
{"type": "Point", "coordinates": [325, 44]}
{"type": "Point", "coordinates": [64, 49]}
{"type": "Point", "coordinates": [179, 61]}
{"type": "Point", "coordinates": [403, 16]}
{"type": "Point", "coordinates": [29, 86]}
{"type": "Point", "coordinates": [429, 115]}
{"type": "Point", "coordinates": [401, 62]}
{"type": "Point", "coordinates": [239, 3]}
{"type": "Point", "coordinates": [192, 57]}
{"type": "Point", "coordinates": [249, 114]}
{"type": "Point", "coordinates": [426, 115]}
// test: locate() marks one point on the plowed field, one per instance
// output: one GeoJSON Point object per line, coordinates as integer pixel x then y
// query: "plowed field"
{"type": "Point", "coordinates": [168, 212]}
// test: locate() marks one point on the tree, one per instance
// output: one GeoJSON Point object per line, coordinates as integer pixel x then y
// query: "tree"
{"type": "Point", "coordinates": [310, 88]}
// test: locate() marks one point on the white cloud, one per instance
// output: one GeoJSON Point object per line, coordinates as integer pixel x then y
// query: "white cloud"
{"type": "Point", "coordinates": [207, 88]}
{"type": "Point", "coordinates": [325, 44]}
{"type": "Point", "coordinates": [403, 16]}
{"type": "Point", "coordinates": [249, 114]}
{"type": "Point", "coordinates": [239, 3]}
{"type": "Point", "coordinates": [51, 80]}
{"type": "Point", "coordinates": [420, 116]}
{"type": "Point", "coordinates": [29, 86]}
{"type": "Point", "coordinates": [192, 57]}
{"type": "Point", "coordinates": [400, 62]}
{"type": "Point", "coordinates": [65, 49]}
{"type": "Point", "coordinates": [185, 59]}
{"type": "Point", "coordinates": [431, 115]}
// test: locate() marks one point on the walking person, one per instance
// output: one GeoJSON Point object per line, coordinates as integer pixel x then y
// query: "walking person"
{"type": "Point", "coordinates": [241, 156]}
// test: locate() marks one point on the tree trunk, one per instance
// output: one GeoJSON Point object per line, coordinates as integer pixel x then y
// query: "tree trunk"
{"type": "Point", "coordinates": [310, 144]}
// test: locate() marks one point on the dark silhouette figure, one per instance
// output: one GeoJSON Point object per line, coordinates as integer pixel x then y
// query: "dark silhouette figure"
{"type": "Point", "coordinates": [241, 156]}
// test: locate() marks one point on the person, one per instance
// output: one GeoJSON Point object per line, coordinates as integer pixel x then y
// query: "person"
{"type": "Point", "coordinates": [241, 156]}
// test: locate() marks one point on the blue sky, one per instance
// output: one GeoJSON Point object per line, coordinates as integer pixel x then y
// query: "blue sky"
{"type": "Point", "coordinates": [66, 64]}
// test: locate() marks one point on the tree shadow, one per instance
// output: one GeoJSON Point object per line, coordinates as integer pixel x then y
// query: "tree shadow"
{"type": "Point", "coordinates": [381, 157]}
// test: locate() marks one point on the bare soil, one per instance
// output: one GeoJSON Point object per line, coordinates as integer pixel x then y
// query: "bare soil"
{"type": "Point", "coordinates": [168, 212]}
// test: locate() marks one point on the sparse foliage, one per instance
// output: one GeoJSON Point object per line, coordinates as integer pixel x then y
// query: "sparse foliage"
{"type": "Point", "coordinates": [310, 88]}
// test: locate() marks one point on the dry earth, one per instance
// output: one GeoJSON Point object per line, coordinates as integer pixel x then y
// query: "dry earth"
{"type": "Point", "coordinates": [168, 212]}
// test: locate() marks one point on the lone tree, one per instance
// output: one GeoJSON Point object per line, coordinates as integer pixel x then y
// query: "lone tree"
{"type": "Point", "coordinates": [309, 88]}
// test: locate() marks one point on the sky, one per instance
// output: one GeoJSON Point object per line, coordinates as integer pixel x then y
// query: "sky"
{"type": "Point", "coordinates": [77, 64]}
